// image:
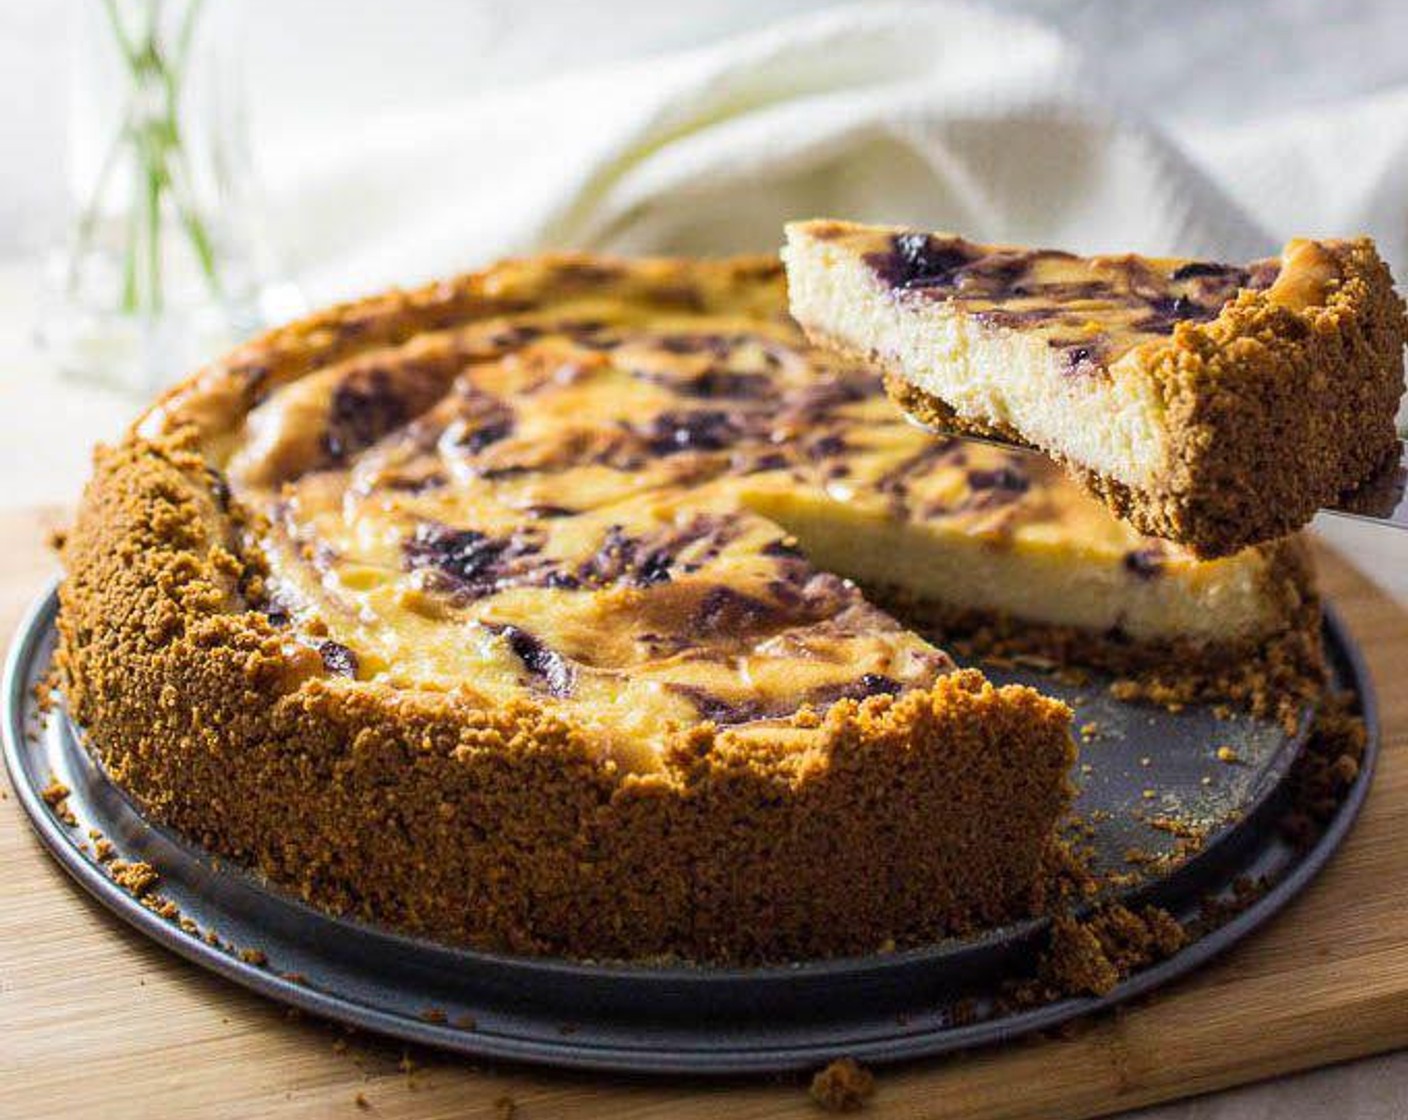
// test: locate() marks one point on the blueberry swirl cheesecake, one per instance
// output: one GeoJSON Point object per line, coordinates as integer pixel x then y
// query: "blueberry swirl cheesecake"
{"type": "Point", "coordinates": [580, 607]}
{"type": "Point", "coordinates": [1211, 404]}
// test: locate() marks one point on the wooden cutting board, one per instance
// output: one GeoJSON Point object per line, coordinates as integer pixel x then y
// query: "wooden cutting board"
{"type": "Point", "coordinates": [96, 1021]}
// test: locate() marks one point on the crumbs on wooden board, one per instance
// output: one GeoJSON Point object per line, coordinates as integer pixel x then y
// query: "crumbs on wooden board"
{"type": "Point", "coordinates": [843, 1086]}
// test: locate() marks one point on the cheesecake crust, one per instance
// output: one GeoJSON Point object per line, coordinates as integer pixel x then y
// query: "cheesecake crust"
{"type": "Point", "coordinates": [1255, 455]}
{"type": "Point", "coordinates": [834, 829]}
{"type": "Point", "coordinates": [1272, 406]}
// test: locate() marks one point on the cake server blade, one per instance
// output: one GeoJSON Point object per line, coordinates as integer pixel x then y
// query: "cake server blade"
{"type": "Point", "coordinates": [1383, 498]}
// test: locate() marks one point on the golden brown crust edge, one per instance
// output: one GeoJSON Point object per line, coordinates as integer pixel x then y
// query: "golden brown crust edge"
{"type": "Point", "coordinates": [236, 383]}
{"type": "Point", "coordinates": [1272, 412]}
{"type": "Point", "coordinates": [902, 821]}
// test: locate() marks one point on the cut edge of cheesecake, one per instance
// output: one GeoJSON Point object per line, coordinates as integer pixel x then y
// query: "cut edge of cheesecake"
{"type": "Point", "coordinates": [1219, 435]}
{"type": "Point", "coordinates": [1242, 630]}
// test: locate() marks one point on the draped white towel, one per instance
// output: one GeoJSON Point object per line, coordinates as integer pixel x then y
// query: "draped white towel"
{"type": "Point", "coordinates": [943, 115]}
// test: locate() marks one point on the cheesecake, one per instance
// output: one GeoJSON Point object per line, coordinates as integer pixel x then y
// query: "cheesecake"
{"type": "Point", "coordinates": [1214, 405]}
{"type": "Point", "coordinates": [580, 607]}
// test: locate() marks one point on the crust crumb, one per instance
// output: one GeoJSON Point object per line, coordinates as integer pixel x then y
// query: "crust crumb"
{"type": "Point", "coordinates": [54, 792]}
{"type": "Point", "coordinates": [1090, 956]}
{"type": "Point", "coordinates": [55, 795]}
{"type": "Point", "coordinates": [135, 878]}
{"type": "Point", "coordinates": [1326, 769]}
{"type": "Point", "coordinates": [843, 1086]}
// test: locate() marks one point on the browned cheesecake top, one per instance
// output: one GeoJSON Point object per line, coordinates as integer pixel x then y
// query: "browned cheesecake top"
{"type": "Point", "coordinates": [553, 499]}
{"type": "Point", "coordinates": [1093, 309]}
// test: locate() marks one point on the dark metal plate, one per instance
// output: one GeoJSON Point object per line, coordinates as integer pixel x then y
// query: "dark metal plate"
{"type": "Point", "coordinates": [1143, 763]}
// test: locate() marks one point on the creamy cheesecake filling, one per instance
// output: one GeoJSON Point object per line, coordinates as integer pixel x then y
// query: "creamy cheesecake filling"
{"type": "Point", "coordinates": [1152, 594]}
{"type": "Point", "coordinates": [1000, 378]}
{"type": "Point", "coordinates": [1039, 342]}
{"type": "Point", "coordinates": [643, 517]}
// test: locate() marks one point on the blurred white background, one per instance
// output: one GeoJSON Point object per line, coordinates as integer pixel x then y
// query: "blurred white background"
{"type": "Point", "coordinates": [1297, 108]}
{"type": "Point", "coordinates": [1204, 69]}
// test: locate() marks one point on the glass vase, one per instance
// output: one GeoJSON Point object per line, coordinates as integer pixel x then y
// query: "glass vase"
{"type": "Point", "coordinates": [166, 262]}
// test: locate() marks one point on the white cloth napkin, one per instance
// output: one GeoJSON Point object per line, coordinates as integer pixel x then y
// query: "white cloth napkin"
{"type": "Point", "coordinates": [942, 115]}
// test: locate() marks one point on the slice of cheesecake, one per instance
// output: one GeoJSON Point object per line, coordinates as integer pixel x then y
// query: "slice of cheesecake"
{"type": "Point", "coordinates": [1210, 404]}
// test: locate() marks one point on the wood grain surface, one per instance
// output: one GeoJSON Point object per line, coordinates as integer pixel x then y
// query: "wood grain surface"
{"type": "Point", "coordinates": [95, 1021]}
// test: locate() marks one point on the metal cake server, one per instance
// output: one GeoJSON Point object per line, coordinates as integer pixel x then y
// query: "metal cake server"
{"type": "Point", "coordinates": [1383, 498]}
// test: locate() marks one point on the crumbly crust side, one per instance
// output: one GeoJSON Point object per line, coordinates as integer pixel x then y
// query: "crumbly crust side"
{"type": "Point", "coordinates": [1272, 411]}
{"type": "Point", "coordinates": [892, 821]}
{"type": "Point", "coordinates": [1275, 411]}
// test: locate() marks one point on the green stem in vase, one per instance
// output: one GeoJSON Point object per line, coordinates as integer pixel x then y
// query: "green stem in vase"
{"type": "Point", "coordinates": [120, 34]}
{"type": "Point", "coordinates": [178, 173]}
{"type": "Point", "coordinates": [131, 297]}
{"type": "Point", "coordinates": [151, 126]}
{"type": "Point", "coordinates": [154, 294]}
